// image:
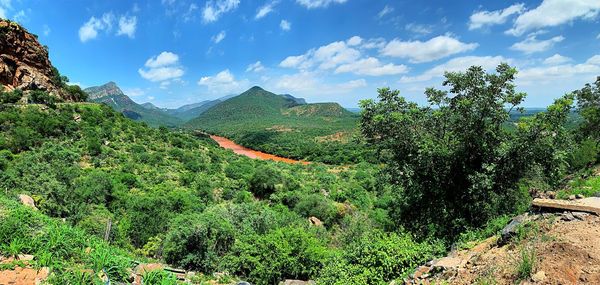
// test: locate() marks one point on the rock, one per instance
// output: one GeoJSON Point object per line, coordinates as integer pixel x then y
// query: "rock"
{"type": "Point", "coordinates": [572, 197]}
{"type": "Point", "coordinates": [296, 282]}
{"type": "Point", "coordinates": [551, 194]}
{"type": "Point", "coordinates": [447, 263]}
{"type": "Point", "coordinates": [539, 276]}
{"type": "Point", "coordinates": [242, 283]}
{"type": "Point", "coordinates": [588, 205]}
{"type": "Point", "coordinates": [27, 201]}
{"type": "Point", "coordinates": [580, 215]}
{"type": "Point", "coordinates": [315, 222]}
{"type": "Point", "coordinates": [510, 230]}
{"type": "Point", "coordinates": [579, 196]}
{"type": "Point", "coordinates": [567, 217]}
{"type": "Point", "coordinates": [421, 272]}
{"type": "Point", "coordinates": [24, 62]}
{"type": "Point", "coordinates": [25, 257]}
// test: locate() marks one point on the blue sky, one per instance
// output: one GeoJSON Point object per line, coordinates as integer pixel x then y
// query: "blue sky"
{"type": "Point", "coordinates": [173, 52]}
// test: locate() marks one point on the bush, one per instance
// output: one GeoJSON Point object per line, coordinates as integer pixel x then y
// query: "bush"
{"type": "Point", "coordinates": [584, 155]}
{"type": "Point", "coordinates": [285, 253]}
{"type": "Point", "coordinates": [264, 181]}
{"type": "Point", "coordinates": [377, 258]}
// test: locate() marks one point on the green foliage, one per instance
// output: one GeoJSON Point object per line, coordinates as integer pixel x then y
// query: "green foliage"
{"type": "Point", "coordinates": [285, 253]}
{"type": "Point", "coordinates": [377, 258]}
{"type": "Point", "coordinates": [588, 106]}
{"type": "Point", "coordinates": [456, 166]}
{"type": "Point", "coordinates": [159, 277]}
{"type": "Point", "coordinates": [584, 155]}
{"type": "Point", "coordinates": [10, 97]}
{"type": "Point", "coordinates": [264, 181]}
{"type": "Point", "coordinates": [42, 97]}
{"type": "Point", "coordinates": [526, 263]}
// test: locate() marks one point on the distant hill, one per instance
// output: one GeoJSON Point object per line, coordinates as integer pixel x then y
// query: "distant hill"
{"type": "Point", "coordinates": [190, 111]}
{"type": "Point", "coordinates": [111, 95]}
{"type": "Point", "coordinates": [280, 124]}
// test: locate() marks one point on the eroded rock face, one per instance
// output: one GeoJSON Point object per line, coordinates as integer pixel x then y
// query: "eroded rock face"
{"type": "Point", "coordinates": [24, 62]}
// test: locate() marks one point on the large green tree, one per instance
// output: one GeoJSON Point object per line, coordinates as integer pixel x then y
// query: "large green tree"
{"type": "Point", "coordinates": [453, 164]}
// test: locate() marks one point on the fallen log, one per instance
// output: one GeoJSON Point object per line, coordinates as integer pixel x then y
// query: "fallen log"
{"type": "Point", "coordinates": [589, 205]}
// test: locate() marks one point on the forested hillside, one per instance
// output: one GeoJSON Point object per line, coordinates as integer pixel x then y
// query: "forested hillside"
{"type": "Point", "coordinates": [281, 125]}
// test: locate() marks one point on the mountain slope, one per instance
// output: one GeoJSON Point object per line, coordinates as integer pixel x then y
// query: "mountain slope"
{"type": "Point", "coordinates": [111, 95]}
{"type": "Point", "coordinates": [278, 124]}
{"type": "Point", "coordinates": [188, 112]}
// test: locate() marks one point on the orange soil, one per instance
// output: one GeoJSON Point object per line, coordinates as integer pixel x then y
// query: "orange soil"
{"type": "Point", "coordinates": [238, 149]}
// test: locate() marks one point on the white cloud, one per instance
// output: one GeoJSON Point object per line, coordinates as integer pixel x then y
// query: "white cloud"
{"type": "Point", "coordinates": [46, 30]}
{"type": "Point", "coordinates": [255, 67]}
{"type": "Point", "coordinates": [325, 57]}
{"type": "Point", "coordinates": [163, 59]}
{"type": "Point", "coordinates": [285, 25]}
{"type": "Point", "coordinates": [127, 26]}
{"type": "Point", "coordinates": [224, 83]}
{"type": "Point", "coordinates": [372, 67]}
{"type": "Point", "coordinates": [557, 59]}
{"type": "Point", "coordinates": [456, 64]}
{"type": "Point", "coordinates": [161, 73]}
{"type": "Point", "coordinates": [354, 41]}
{"type": "Point", "coordinates": [163, 67]}
{"type": "Point", "coordinates": [532, 45]}
{"type": "Point", "coordinates": [90, 29]}
{"type": "Point", "coordinates": [419, 29]}
{"type": "Point", "coordinates": [218, 37]}
{"type": "Point", "coordinates": [213, 9]}
{"type": "Point", "coordinates": [550, 74]}
{"type": "Point", "coordinates": [302, 81]}
{"type": "Point", "coordinates": [488, 18]}
{"type": "Point", "coordinates": [311, 4]}
{"type": "Point", "coordinates": [352, 84]}
{"type": "Point", "coordinates": [433, 49]}
{"type": "Point", "coordinates": [552, 13]}
{"type": "Point", "coordinates": [386, 10]}
{"type": "Point", "coordinates": [265, 10]}
{"type": "Point", "coordinates": [134, 92]}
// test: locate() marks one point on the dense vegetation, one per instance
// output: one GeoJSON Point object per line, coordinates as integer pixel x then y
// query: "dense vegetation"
{"type": "Point", "coordinates": [447, 172]}
{"type": "Point", "coordinates": [276, 124]}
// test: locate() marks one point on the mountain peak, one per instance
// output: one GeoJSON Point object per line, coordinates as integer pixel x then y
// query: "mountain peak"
{"type": "Point", "coordinates": [107, 89]}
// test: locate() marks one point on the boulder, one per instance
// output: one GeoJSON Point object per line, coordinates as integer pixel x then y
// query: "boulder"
{"type": "Point", "coordinates": [315, 222]}
{"type": "Point", "coordinates": [539, 276]}
{"type": "Point", "coordinates": [27, 201]}
{"type": "Point", "coordinates": [510, 230]}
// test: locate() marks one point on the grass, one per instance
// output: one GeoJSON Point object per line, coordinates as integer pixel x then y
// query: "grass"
{"type": "Point", "coordinates": [587, 187]}
{"type": "Point", "coordinates": [159, 277]}
{"type": "Point", "coordinates": [470, 238]}
{"type": "Point", "coordinates": [526, 263]}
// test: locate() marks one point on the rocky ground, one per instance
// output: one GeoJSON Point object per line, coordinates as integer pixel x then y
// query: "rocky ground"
{"type": "Point", "coordinates": [563, 248]}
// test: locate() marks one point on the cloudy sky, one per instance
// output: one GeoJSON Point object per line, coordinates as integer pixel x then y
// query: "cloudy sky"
{"type": "Point", "coordinates": [173, 52]}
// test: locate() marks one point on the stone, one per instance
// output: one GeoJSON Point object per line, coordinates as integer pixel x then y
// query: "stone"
{"type": "Point", "coordinates": [588, 205]}
{"type": "Point", "coordinates": [421, 272]}
{"type": "Point", "coordinates": [551, 194]}
{"type": "Point", "coordinates": [510, 230]}
{"type": "Point", "coordinates": [567, 217]}
{"type": "Point", "coordinates": [447, 263]}
{"type": "Point", "coordinates": [242, 283]}
{"type": "Point", "coordinates": [580, 215]}
{"type": "Point", "coordinates": [315, 222]}
{"type": "Point", "coordinates": [572, 197]}
{"type": "Point", "coordinates": [579, 196]}
{"type": "Point", "coordinates": [539, 276]}
{"type": "Point", "coordinates": [27, 201]}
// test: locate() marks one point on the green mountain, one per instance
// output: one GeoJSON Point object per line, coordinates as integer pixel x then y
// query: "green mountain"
{"type": "Point", "coordinates": [280, 124]}
{"type": "Point", "coordinates": [188, 112]}
{"type": "Point", "coordinates": [111, 95]}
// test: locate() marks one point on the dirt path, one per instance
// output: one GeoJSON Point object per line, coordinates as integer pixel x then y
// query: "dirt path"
{"type": "Point", "coordinates": [236, 148]}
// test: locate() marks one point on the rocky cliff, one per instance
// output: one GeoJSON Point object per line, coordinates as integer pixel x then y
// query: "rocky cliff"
{"type": "Point", "coordinates": [24, 63]}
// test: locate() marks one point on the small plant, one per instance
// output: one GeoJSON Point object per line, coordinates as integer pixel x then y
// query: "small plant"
{"type": "Point", "coordinates": [526, 263]}
{"type": "Point", "coordinates": [158, 277]}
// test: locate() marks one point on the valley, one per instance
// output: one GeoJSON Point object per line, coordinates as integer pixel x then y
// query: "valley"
{"type": "Point", "coordinates": [261, 188]}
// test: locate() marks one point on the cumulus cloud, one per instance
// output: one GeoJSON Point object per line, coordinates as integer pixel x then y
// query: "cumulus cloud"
{"type": "Point", "coordinates": [482, 19]}
{"type": "Point", "coordinates": [301, 81]}
{"type": "Point", "coordinates": [265, 10]}
{"type": "Point", "coordinates": [285, 25]}
{"type": "Point", "coordinates": [551, 13]}
{"type": "Point", "coordinates": [532, 45]}
{"type": "Point", "coordinates": [557, 59]}
{"type": "Point", "coordinates": [134, 92]}
{"type": "Point", "coordinates": [456, 64]}
{"type": "Point", "coordinates": [162, 67]}
{"type": "Point", "coordinates": [371, 66]}
{"type": "Point", "coordinates": [386, 10]}
{"type": "Point", "coordinates": [214, 9]}
{"type": "Point", "coordinates": [127, 26]}
{"type": "Point", "coordinates": [218, 37]}
{"type": "Point", "coordinates": [343, 57]}
{"type": "Point", "coordinates": [352, 84]}
{"type": "Point", "coordinates": [93, 26]}
{"type": "Point", "coordinates": [223, 82]}
{"type": "Point", "coordinates": [549, 74]}
{"type": "Point", "coordinates": [311, 4]}
{"type": "Point", "coordinates": [433, 49]}
{"type": "Point", "coordinates": [255, 67]}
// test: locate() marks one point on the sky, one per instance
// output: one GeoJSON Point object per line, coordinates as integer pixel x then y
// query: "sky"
{"type": "Point", "coordinates": [172, 52]}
